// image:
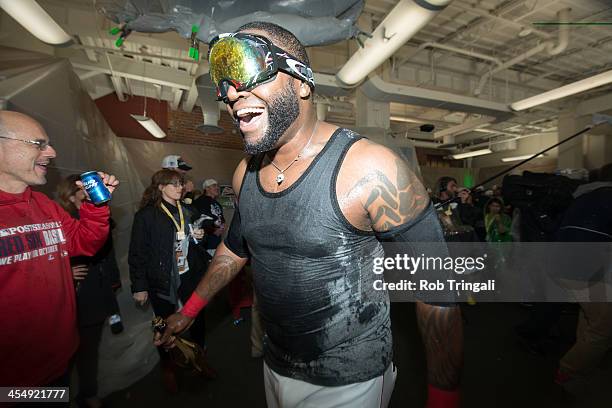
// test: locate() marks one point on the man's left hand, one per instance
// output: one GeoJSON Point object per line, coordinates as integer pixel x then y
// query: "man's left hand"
{"type": "Point", "coordinates": [198, 233]}
{"type": "Point", "coordinates": [175, 324]}
{"type": "Point", "coordinates": [464, 195]}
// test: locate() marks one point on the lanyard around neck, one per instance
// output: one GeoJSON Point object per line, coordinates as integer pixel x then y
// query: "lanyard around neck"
{"type": "Point", "coordinates": [180, 228]}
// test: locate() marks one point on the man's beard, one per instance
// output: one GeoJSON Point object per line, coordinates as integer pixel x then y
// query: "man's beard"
{"type": "Point", "coordinates": [283, 110]}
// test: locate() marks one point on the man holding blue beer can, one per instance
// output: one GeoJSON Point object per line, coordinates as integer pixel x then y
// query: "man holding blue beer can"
{"type": "Point", "coordinates": [37, 239]}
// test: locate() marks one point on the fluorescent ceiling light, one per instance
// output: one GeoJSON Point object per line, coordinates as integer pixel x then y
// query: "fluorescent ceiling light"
{"type": "Point", "coordinates": [517, 158]}
{"type": "Point", "coordinates": [149, 124]}
{"type": "Point", "coordinates": [562, 92]}
{"type": "Point", "coordinates": [404, 119]}
{"type": "Point", "coordinates": [473, 153]}
{"type": "Point", "coordinates": [35, 19]}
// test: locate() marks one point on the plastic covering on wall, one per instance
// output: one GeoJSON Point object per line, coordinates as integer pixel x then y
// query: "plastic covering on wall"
{"type": "Point", "coordinates": [399, 146]}
{"type": "Point", "coordinates": [48, 90]}
{"type": "Point", "coordinates": [314, 22]}
{"type": "Point", "coordinates": [207, 162]}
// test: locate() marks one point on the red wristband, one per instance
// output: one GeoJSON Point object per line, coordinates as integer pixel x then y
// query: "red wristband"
{"type": "Point", "coordinates": [194, 305]}
{"type": "Point", "coordinates": [438, 398]}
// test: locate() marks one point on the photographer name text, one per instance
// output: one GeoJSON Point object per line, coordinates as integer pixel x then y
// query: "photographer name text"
{"type": "Point", "coordinates": [437, 285]}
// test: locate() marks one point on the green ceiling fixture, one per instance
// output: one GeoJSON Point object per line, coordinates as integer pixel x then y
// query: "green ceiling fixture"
{"type": "Point", "coordinates": [194, 50]}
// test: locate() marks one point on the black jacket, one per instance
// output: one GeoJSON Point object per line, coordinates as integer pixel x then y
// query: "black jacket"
{"type": "Point", "coordinates": [95, 295]}
{"type": "Point", "coordinates": [212, 208]}
{"type": "Point", "coordinates": [589, 217]}
{"type": "Point", "coordinates": [151, 255]}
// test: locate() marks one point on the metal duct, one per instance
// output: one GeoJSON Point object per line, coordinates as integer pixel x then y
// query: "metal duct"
{"type": "Point", "coordinates": [377, 89]}
{"type": "Point", "coordinates": [402, 22]}
{"type": "Point", "coordinates": [450, 48]}
{"type": "Point", "coordinates": [509, 145]}
{"type": "Point", "coordinates": [210, 107]}
{"type": "Point", "coordinates": [563, 41]}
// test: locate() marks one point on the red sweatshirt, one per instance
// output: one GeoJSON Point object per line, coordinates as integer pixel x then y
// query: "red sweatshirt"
{"type": "Point", "coordinates": [38, 333]}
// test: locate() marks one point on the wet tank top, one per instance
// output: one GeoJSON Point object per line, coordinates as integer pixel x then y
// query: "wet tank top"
{"type": "Point", "coordinates": [312, 272]}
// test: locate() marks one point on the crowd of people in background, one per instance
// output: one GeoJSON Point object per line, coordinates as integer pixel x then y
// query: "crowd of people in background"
{"type": "Point", "coordinates": [481, 215]}
{"type": "Point", "coordinates": [483, 212]}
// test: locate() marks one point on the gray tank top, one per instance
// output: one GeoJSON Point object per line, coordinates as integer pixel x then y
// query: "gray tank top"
{"type": "Point", "coordinates": [313, 276]}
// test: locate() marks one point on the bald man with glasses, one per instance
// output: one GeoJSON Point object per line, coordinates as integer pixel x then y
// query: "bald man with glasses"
{"type": "Point", "coordinates": [37, 239]}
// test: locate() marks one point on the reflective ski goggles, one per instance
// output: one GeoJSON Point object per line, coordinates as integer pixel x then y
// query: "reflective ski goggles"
{"type": "Point", "coordinates": [246, 61]}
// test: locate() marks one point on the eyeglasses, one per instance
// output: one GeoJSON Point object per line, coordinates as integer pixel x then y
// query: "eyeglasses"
{"type": "Point", "coordinates": [41, 144]}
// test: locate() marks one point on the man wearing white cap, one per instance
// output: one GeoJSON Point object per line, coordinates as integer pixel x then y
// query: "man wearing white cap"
{"type": "Point", "coordinates": [208, 204]}
{"type": "Point", "coordinates": [175, 162]}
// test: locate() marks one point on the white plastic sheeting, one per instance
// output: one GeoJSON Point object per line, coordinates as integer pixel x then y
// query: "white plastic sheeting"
{"type": "Point", "coordinates": [48, 90]}
{"type": "Point", "coordinates": [334, 19]}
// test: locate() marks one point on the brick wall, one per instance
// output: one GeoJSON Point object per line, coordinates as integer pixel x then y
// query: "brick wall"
{"type": "Point", "coordinates": [180, 126]}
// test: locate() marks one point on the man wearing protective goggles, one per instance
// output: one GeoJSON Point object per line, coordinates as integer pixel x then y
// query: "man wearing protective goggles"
{"type": "Point", "coordinates": [315, 202]}
{"type": "Point", "coordinates": [245, 61]}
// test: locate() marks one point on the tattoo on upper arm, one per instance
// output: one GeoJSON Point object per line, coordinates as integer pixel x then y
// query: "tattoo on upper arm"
{"type": "Point", "coordinates": [390, 204]}
{"type": "Point", "coordinates": [442, 332]}
{"type": "Point", "coordinates": [220, 272]}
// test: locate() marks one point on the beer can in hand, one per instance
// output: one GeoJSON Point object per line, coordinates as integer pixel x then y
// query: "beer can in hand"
{"type": "Point", "coordinates": [92, 182]}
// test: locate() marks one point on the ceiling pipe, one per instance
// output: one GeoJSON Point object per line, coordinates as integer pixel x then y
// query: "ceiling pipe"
{"type": "Point", "coordinates": [426, 144]}
{"type": "Point", "coordinates": [563, 40]}
{"type": "Point", "coordinates": [513, 138]}
{"type": "Point", "coordinates": [516, 60]}
{"type": "Point", "coordinates": [473, 8]}
{"type": "Point", "coordinates": [455, 50]}
{"type": "Point", "coordinates": [399, 26]}
{"type": "Point", "coordinates": [562, 43]}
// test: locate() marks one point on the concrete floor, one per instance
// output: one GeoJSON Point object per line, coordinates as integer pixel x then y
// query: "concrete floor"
{"type": "Point", "coordinates": [498, 372]}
